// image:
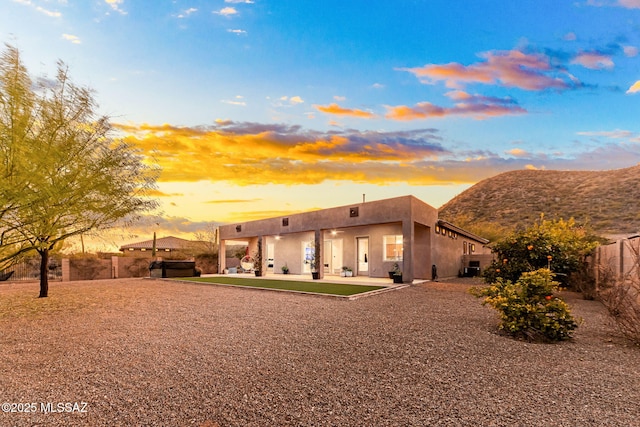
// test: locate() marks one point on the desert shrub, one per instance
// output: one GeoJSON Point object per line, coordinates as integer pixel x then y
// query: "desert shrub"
{"type": "Point", "coordinates": [623, 304]}
{"type": "Point", "coordinates": [136, 267]}
{"type": "Point", "coordinates": [89, 267]}
{"type": "Point", "coordinates": [584, 281]}
{"type": "Point", "coordinates": [620, 294]}
{"type": "Point", "coordinates": [207, 262]}
{"type": "Point", "coordinates": [562, 246]}
{"type": "Point", "coordinates": [528, 308]}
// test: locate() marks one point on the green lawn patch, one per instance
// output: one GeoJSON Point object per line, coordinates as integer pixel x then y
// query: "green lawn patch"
{"type": "Point", "coordinates": [290, 285]}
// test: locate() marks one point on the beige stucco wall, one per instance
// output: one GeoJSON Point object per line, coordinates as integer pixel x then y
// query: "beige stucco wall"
{"type": "Point", "coordinates": [288, 250]}
{"type": "Point", "coordinates": [618, 260]}
{"type": "Point", "coordinates": [447, 255]}
{"type": "Point", "coordinates": [130, 267]}
{"type": "Point", "coordinates": [377, 212]}
{"type": "Point", "coordinates": [423, 254]}
{"type": "Point", "coordinates": [378, 267]}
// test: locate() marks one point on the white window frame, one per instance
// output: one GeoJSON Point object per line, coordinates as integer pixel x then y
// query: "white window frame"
{"type": "Point", "coordinates": [395, 239]}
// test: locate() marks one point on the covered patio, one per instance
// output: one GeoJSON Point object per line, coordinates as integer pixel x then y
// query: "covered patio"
{"type": "Point", "coordinates": [368, 240]}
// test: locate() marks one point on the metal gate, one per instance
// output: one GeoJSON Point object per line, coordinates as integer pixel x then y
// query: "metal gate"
{"type": "Point", "coordinates": [29, 270]}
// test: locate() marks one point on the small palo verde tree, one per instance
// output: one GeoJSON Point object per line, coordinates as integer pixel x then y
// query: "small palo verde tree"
{"type": "Point", "coordinates": [63, 174]}
{"type": "Point", "coordinates": [529, 308]}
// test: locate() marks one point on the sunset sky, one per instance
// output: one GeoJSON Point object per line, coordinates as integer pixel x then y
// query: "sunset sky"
{"type": "Point", "coordinates": [257, 108]}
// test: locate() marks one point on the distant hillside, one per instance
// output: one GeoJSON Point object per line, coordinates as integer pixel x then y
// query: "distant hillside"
{"type": "Point", "coordinates": [608, 200]}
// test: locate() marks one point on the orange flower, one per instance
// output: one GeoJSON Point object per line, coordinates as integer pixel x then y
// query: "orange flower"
{"type": "Point", "coordinates": [530, 247]}
{"type": "Point", "coordinates": [548, 297]}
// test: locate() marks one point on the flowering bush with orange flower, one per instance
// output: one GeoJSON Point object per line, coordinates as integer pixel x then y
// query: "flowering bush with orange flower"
{"type": "Point", "coordinates": [557, 245]}
{"type": "Point", "coordinates": [529, 308]}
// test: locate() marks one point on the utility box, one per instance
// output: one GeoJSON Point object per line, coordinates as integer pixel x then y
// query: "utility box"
{"type": "Point", "coordinates": [166, 269]}
{"type": "Point", "coordinates": [471, 271]}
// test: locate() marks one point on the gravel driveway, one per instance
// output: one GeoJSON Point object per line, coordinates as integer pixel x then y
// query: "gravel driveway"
{"type": "Point", "coordinates": [139, 352]}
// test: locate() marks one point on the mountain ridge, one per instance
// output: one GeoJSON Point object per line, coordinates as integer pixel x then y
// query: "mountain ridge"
{"type": "Point", "coordinates": [607, 201]}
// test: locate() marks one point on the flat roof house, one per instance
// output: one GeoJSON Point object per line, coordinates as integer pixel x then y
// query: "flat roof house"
{"type": "Point", "coordinates": [165, 246]}
{"type": "Point", "coordinates": [369, 238]}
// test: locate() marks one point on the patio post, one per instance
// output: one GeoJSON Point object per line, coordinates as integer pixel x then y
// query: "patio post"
{"type": "Point", "coordinates": [319, 249]}
{"type": "Point", "coordinates": [222, 256]}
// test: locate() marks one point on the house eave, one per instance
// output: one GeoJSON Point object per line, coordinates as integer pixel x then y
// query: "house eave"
{"type": "Point", "coordinates": [461, 231]}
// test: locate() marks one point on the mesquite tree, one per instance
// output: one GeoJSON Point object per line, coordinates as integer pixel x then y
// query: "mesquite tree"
{"type": "Point", "coordinates": [63, 174]}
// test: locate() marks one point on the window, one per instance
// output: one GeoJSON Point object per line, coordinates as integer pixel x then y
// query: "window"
{"type": "Point", "coordinates": [464, 248]}
{"type": "Point", "coordinates": [393, 248]}
{"type": "Point", "coordinates": [353, 212]}
{"type": "Point", "coordinates": [473, 248]}
{"type": "Point", "coordinates": [285, 222]}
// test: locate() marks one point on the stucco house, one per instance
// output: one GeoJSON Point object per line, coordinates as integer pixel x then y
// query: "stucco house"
{"type": "Point", "coordinates": [369, 238]}
{"type": "Point", "coordinates": [165, 247]}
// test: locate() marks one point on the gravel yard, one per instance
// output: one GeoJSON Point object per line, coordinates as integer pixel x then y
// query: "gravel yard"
{"type": "Point", "coordinates": [142, 352]}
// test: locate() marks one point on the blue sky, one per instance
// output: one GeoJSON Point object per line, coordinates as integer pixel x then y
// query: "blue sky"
{"type": "Point", "coordinates": [260, 108]}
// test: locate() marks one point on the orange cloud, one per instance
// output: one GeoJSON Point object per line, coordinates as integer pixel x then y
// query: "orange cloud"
{"type": "Point", "coordinates": [593, 60]}
{"type": "Point", "coordinates": [294, 100]}
{"type": "Point", "coordinates": [226, 11]}
{"type": "Point", "coordinates": [158, 193]}
{"type": "Point", "coordinates": [518, 152]}
{"type": "Point", "coordinates": [630, 4]}
{"type": "Point", "coordinates": [476, 106]}
{"type": "Point", "coordinates": [340, 111]}
{"type": "Point", "coordinates": [249, 153]}
{"type": "Point", "coordinates": [635, 88]}
{"type": "Point", "coordinates": [506, 68]}
{"type": "Point", "coordinates": [422, 110]}
{"type": "Point", "coordinates": [244, 154]}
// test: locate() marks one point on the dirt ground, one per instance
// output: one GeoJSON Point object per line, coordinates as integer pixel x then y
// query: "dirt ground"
{"type": "Point", "coordinates": [144, 352]}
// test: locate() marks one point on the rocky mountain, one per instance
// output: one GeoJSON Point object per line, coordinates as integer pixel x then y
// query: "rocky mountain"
{"type": "Point", "coordinates": [609, 201]}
